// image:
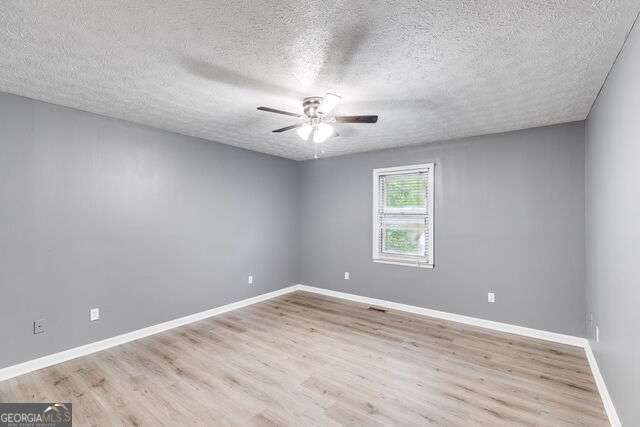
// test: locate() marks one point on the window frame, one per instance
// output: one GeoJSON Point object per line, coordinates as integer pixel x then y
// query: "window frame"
{"type": "Point", "coordinates": [377, 254]}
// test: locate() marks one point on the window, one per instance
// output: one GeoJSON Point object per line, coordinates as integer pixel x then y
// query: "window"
{"type": "Point", "coordinates": [403, 215]}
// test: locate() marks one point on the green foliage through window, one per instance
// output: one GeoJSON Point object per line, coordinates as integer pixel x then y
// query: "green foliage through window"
{"type": "Point", "coordinates": [401, 241]}
{"type": "Point", "coordinates": [405, 192]}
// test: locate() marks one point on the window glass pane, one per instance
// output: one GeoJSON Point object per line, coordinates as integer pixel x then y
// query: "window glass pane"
{"type": "Point", "coordinates": [405, 192]}
{"type": "Point", "coordinates": [403, 237]}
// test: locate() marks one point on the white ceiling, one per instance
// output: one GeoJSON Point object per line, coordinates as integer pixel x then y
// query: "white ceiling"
{"type": "Point", "coordinates": [432, 70]}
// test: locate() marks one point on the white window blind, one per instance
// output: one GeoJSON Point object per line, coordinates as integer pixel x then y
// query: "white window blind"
{"type": "Point", "coordinates": [403, 215]}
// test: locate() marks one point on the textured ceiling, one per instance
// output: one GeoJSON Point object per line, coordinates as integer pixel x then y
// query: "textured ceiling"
{"type": "Point", "coordinates": [432, 70]}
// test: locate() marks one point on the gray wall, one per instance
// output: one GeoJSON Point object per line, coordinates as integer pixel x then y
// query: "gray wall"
{"type": "Point", "coordinates": [150, 225]}
{"type": "Point", "coordinates": [145, 224]}
{"type": "Point", "coordinates": [613, 229]}
{"type": "Point", "coordinates": [509, 218]}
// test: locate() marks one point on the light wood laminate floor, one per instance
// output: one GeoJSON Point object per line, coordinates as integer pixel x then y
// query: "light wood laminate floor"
{"type": "Point", "coordinates": [305, 359]}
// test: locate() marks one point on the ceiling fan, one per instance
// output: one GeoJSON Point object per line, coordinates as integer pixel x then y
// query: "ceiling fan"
{"type": "Point", "coordinates": [318, 118]}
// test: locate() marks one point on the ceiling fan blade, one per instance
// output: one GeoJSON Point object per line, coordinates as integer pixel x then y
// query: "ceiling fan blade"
{"type": "Point", "coordinates": [356, 119]}
{"type": "Point", "coordinates": [287, 128]}
{"type": "Point", "coordinates": [273, 110]}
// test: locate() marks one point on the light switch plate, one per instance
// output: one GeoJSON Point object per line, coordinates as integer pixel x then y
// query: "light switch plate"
{"type": "Point", "coordinates": [94, 314]}
{"type": "Point", "coordinates": [347, 276]}
{"type": "Point", "coordinates": [491, 297]}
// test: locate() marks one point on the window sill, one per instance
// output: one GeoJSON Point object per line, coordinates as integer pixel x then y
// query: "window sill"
{"type": "Point", "coordinates": [404, 263]}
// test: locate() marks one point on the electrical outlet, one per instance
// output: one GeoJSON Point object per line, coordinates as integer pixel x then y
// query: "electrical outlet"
{"type": "Point", "coordinates": [250, 280]}
{"type": "Point", "coordinates": [347, 276]}
{"type": "Point", "coordinates": [94, 314]}
{"type": "Point", "coordinates": [597, 334]}
{"type": "Point", "coordinates": [38, 326]}
{"type": "Point", "coordinates": [491, 297]}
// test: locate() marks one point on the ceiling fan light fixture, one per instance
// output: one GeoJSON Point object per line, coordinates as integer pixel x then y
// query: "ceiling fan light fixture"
{"type": "Point", "coordinates": [304, 131]}
{"type": "Point", "coordinates": [318, 114]}
{"type": "Point", "coordinates": [322, 132]}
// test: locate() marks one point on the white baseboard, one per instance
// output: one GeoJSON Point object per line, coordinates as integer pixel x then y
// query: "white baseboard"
{"type": "Point", "coordinates": [63, 356]}
{"type": "Point", "coordinates": [602, 388]}
{"type": "Point", "coordinates": [52, 359]}
{"type": "Point", "coordinates": [489, 324]}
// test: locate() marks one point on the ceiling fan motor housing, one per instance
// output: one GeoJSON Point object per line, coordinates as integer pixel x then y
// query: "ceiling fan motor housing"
{"type": "Point", "coordinates": [310, 106]}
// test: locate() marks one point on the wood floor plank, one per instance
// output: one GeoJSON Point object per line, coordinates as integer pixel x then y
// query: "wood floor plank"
{"type": "Point", "coordinates": [444, 353]}
{"type": "Point", "coordinates": [308, 359]}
